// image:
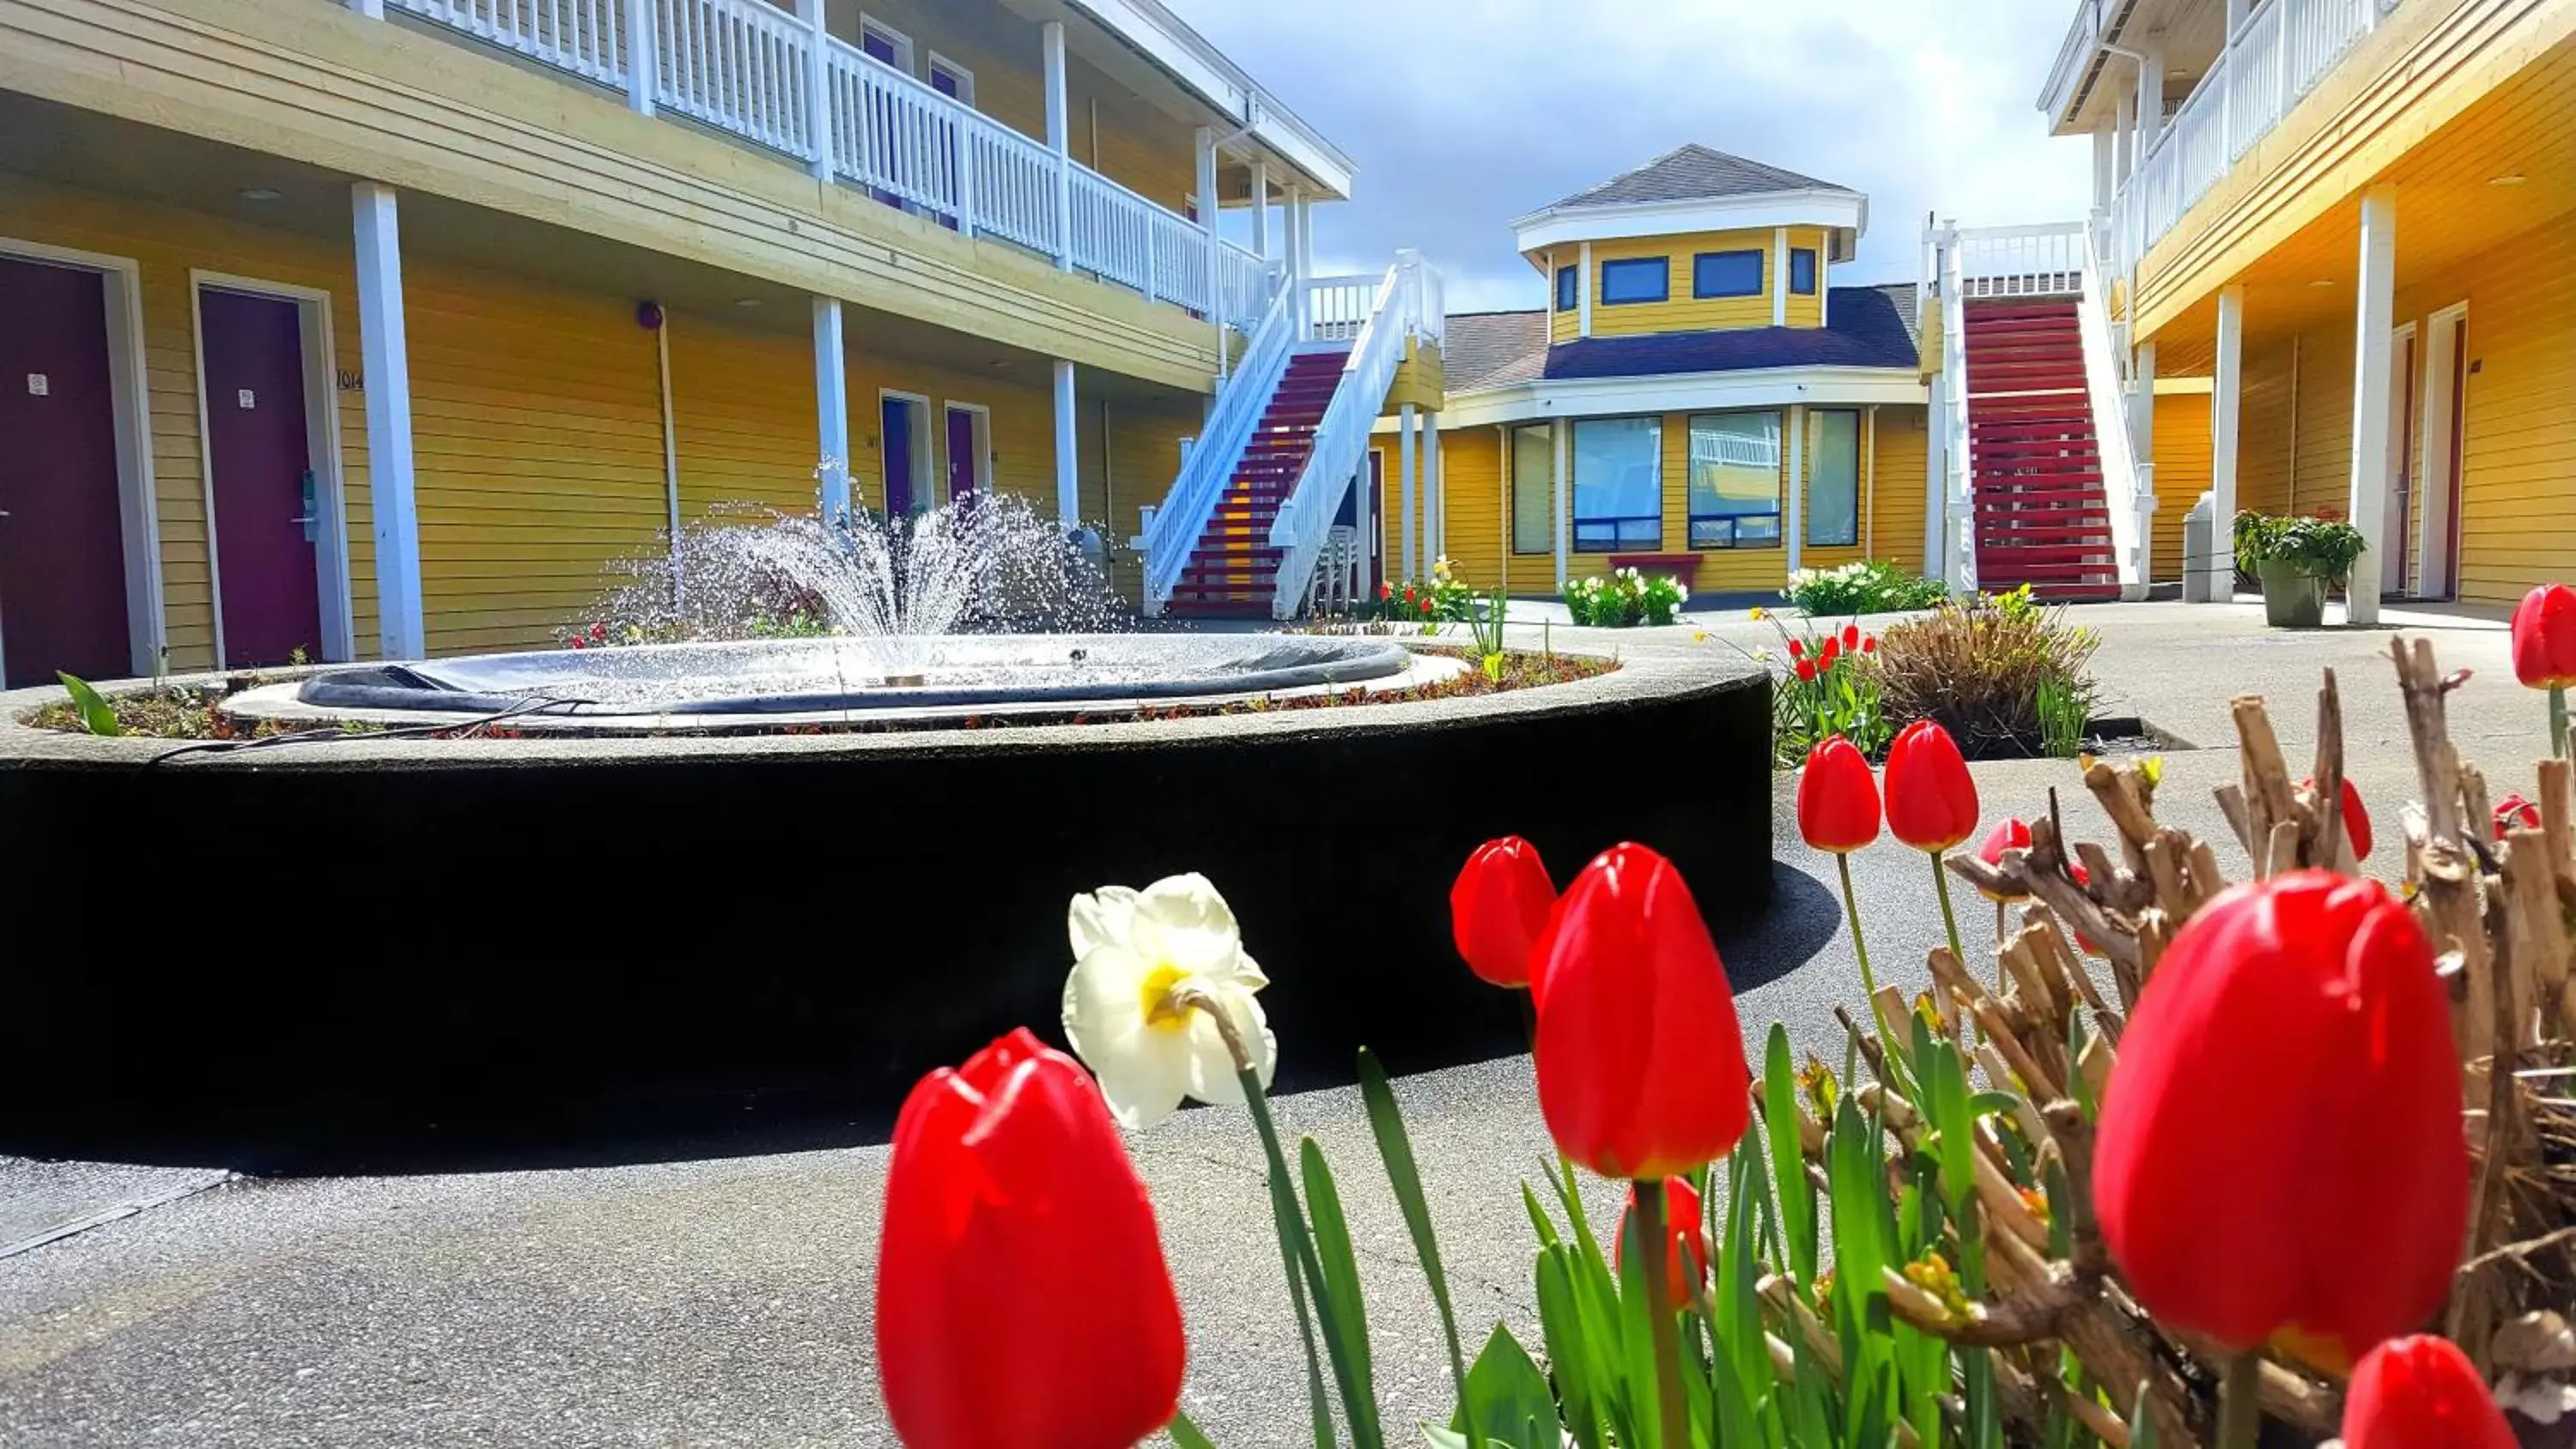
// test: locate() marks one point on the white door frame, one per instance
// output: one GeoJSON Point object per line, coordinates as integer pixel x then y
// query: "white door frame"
{"type": "Point", "coordinates": [321, 449]}
{"type": "Point", "coordinates": [983, 459]}
{"type": "Point", "coordinates": [2404, 343]}
{"type": "Point", "coordinates": [130, 409]}
{"type": "Point", "coordinates": [925, 474]}
{"type": "Point", "coordinates": [2438, 489]}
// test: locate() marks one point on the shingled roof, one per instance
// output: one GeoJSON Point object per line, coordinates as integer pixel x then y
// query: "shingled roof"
{"type": "Point", "coordinates": [1693, 173]}
{"type": "Point", "coordinates": [1865, 327]}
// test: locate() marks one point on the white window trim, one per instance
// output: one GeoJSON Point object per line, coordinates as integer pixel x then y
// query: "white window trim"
{"type": "Point", "coordinates": [965, 77]}
{"type": "Point", "coordinates": [902, 42]}
{"type": "Point", "coordinates": [321, 449]}
{"type": "Point", "coordinates": [146, 622]}
{"type": "Point", "coordinates": [983, 460]}
{"type": "Point", "coordinates": [925, 476]}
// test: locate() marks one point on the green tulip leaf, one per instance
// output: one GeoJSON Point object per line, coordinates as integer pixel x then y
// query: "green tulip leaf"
{"type": "Point", "coordinates": [1395, 1147]}
{"type": "Point", "coordinates": [97, 716]}
{"type": "Point", "coordinates": [1796, 1196]}
{"type": "Point", "coordinates": [1505, 1392]}
{"type": "Point", "coordinates": [1572, 1349]}
{"type": "Point", "coordinates": [1186, 1435]}
{"type": "Point", "coordinates": [1344, 1315]}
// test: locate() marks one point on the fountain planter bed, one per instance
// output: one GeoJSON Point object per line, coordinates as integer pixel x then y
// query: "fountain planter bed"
{"type": "Point", "coordinates": [430, 927]}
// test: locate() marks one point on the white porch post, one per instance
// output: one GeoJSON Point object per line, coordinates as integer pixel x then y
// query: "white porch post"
{"type": "Point", "coordinates": [2217, 583]}
{"type": "Point", "coordinates": [1059, 140]}
{"type": "Point", "coordinates": [385, 350]}
{"type": "Point", "coordinates": [1583, 292]}
{"type": "Point", "coordinates": [1563, 435]}
{"type": "Point", "coordinates": [643, 51]}
{"type": "Point", "coordinates": [2124, 139]}
{"type": "Point", "coordinates": [818, 87]}
{"type": "Point", "coordinates": [832, 410]}
{"type": "Point", "coordinates": [1435, 500]}
{"type": "Point", "coordinates": [2106, 168]}
{"type": "Point", "coordinates": [1068, 476]}
{"type": "Point", "coordinates": [372, 9]}
{"type": "Point", "coordinates": [1794, 483]}
{"type": "Point", "coordinates": [2151, 99]}
{"type": "Point", "coordinates": [2375, 310]}
{"type": "Point", "coordinates": [1261, 209]}
{"type": "Point", "coordinates": [1293, 244]}
{"type": "Point", "coordinates": [1780, 277]}
{"type": "Point", "coordinates": [1404, 445]}
{"type": "Point", "coordinates": [1205, 186]}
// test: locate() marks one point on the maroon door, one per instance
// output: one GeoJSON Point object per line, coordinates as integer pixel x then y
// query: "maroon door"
{"type": "Point", "coordinates": [961, 452]}
{"type": "Point", "coordinates": [62, 537]}
{"type": "Point", "coordinates": [266, 509]}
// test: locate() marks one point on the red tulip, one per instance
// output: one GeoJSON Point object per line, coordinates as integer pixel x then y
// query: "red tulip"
{"type": "Point", "coordinates": [2008, 834]}
{"type": "Point", "coordinates": [1931, 802]}
{"type": "Point", "coordinates": [1498, 908]}
{"type": "Point", "coordinates": [2280, 1143]}
{"type": "Point", "coordinates": [2083, 942]}
{"type": "Point", "coordinates": [1685, 1243]}
{"type": "Point", "coordinates": [2421, 1393]}
{"type": "Point", "coordinates": [1851, 636]}
{"type": "Point", "coordinates": [2514, 810]}
{"type": "Point", "coordinates": [1640, 1062]}
{"type": "Point", "coordinates": [1807, 669]}
{"type": "Point", "coordinates": [1022, 1296]}
{"type": "Point", "coordinates": [2544, 637]}
{"type": "Point", "coordinates": [2356, 817]}
{"type": "Point", "coordinates": [1837, 797]}
{"type": "Point", "coordinates": [1869, 644]}
{"type": "Point", "coordinates": [1831, 651]}
{"type": "Point", "coordinates": [1797, 650]}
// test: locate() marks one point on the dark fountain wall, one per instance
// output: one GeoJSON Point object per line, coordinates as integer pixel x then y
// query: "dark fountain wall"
{"type": "Point", "coordinates": [427, 928]}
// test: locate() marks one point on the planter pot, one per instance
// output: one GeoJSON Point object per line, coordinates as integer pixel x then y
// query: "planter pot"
{"type": "Point", "coordinates": [2292, 598]}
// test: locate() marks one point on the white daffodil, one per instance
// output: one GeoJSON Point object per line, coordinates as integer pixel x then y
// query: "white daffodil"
{"type": "Point", "coordinates": [1144, 961]}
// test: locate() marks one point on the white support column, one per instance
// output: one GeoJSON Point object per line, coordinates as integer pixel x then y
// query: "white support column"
{"type": "Point", "coordinates": [1780, 280]}
{"type": "Point", "coordinates": [372, 9]}
{"type": "Point", "coordinates": [2217, 581]}
{"type": "Point", "coordinates": [2151, 99]}
{"type": "Point", "coordinates": [1294, 245]}
{"type": "Point", "coordinates": [1404, 446]}
{"type": "Point", "coordinates": [1583, 292]}
{"type": "Point", "coordinates": [1205, 188]}
{"type": "Point", "coordinates": [1059, 138]}
{"type": "Point", "coordinates": [2375, 317]}
{"type": "Point", "coordinates": [643, 64]}
{"type": "Point", "coordinates": [1562, 432]}
{"type": "Point", "coordinates": [831, 410]}
{"type": "Point", "coordinates": [1435, 498]}
{"type": "Point", "coordinates": [818, 87]}
{"type": "Point", "coordinates": [1068, 468]}
{"type": "Point", "coordinates": [1261, 209]}
{"type": "Point", "coordinates": [2106, 167]}
{"type": "Point", "coordinates": [1794, 484]}
{"type": "Point", "coordinates": [2124, 138]}
{"type": "Point", "coordinates": [386, 353]}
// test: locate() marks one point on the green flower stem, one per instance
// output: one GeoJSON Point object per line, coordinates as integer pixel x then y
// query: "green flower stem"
{"type": "Point", "coordinates": [2558, 720]}
{"type": "Point", "coordinates": [1869, 983]}
{"type": "Point", "coordinates": [1659, 1315]}
{"type": "Point", "coordinates": [2240, 1411]}
{"type": "Point", "coordinates": [1949, 917]}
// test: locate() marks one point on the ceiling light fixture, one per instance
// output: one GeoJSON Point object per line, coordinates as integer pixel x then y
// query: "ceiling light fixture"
{"type": "Point", "coordinates": [260, 193]}
{"type": "Point", "coordinates": [2510, 178]}
{"type": "Point", "coordinates": [746, 303]}
{"type": "Point", "coordinates": [2322, 282]}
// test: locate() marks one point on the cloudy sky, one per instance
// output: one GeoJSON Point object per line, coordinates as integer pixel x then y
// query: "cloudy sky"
{"type": "Point", "coordinates": [1463, 114]}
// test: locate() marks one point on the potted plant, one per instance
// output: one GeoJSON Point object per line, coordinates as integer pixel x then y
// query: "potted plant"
{"type": "Point", "coordinates": [2298, 560]}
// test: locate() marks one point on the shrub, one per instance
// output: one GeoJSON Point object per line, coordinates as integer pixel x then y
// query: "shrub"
{"type": "Point", "coordinates": [1624, 599]}
{"type": "Point", "coordinates": [1868, 587]}
{"type": "Point", "coordinates": [2324, 548]}
{"type": "Point", "coordinates": [1978, 668]}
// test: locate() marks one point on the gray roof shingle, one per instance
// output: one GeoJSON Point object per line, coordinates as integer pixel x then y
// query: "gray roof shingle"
{"type": "Point", "coordinates": [1493, 349]}
{"type": "Point", "coordinates": [1693, 173]}
{"type": "Point", "coordinates": [1871, 326]}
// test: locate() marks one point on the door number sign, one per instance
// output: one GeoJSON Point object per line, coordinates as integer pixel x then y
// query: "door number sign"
{"type": "Point", "coordinates": [245, 400]}
{"type": "Point", "coordinates": [39, 385]}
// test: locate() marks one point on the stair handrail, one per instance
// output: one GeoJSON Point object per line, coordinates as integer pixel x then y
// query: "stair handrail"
{"type": "Point", "coordinates": [2130, 499]}
{"type": "Point", "coordinates": [1211, 462]}
{"type": "Point", "coordinates": [1342, 438]}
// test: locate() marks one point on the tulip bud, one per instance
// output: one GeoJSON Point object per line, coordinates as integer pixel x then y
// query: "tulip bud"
{"type": "Point", "coordinates": [2421, 1393]}
{"type": "Point", "coordinates": [2009, 834]}
{"type": "Point", "coordinates": [1931, 801]}
{"type": "Point", "coordinates": [1685, 1241]}
{"type": "Point", "coordinates": [1498, 908]}
{"type": "Point", "coordinates": [1837, 797]}
{"type": "Point", "coordinates": [2512, 811]}
{"type": "Point", "coordinates": [2544, 637]}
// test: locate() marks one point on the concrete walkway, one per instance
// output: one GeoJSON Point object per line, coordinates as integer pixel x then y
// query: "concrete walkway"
{"type": "Point", "coordinates": [727, 1301]}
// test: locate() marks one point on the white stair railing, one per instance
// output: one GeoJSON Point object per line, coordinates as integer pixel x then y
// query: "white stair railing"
{"type": "Point", "coordinates": [1211, 461]}
{"type": "Point", "coordinates": [2130, 497]}
{"type": "Point", "coordinates": [1338, 307]}
{"type": "Point", "coordinates": [1959, 504]}
{"type": "Point", "coordinates": [1341, 439]}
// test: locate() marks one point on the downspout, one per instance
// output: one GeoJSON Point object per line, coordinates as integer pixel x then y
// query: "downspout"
{"type": "Point", "coordinates": [670, 446]}
{"type": "Point", "coordinates": [1505, 475]}
{"type": "Point", "coordinates": [2295, 340]}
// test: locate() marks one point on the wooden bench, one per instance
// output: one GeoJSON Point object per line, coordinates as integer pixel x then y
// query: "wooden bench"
{"type": "Point", "coordinates": [1683, 567]}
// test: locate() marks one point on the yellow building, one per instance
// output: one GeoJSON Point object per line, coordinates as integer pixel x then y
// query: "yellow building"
{"type": "Point", "coordinates": [2339, 235]}
{"type": "Point", "coordinates": [1698, 399]}
{"type": "Point", "coordinates": [379, 328]}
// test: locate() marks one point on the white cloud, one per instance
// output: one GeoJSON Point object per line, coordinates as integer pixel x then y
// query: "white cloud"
{"type": "Point", "coordinates": [1465, 113]}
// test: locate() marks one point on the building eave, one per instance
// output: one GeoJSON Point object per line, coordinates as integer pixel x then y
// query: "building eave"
{"type": "Point", "coordinates": [1546, 398]}
{"type": "Point", "coordinates": [1833, 207]}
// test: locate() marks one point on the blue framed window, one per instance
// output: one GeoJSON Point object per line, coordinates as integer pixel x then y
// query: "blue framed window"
{"type": "Point", "coordinates": [1568, 279]}
{"type": "Point", "coordinates": [1802, 271]}
{"type": "Point", "coordinates": [1636, 279]}
{"type": "Point", "coordinates": [1618, 485]}
{"type": "Point", "coordinates": [1735, 480]}
{"type": "Point", "coordinates": [1727, 274]}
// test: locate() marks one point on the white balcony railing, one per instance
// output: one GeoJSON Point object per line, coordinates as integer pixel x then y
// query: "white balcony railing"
{"type": "Point", "coordinates": [750, 69]}
{"type": "Point", "coordinates": [2275, 58]}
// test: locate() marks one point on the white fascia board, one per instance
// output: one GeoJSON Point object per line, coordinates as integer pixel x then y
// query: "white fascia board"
{"type": "Point", "coordinates": [1186, 56]}
{"type": "Point", "coordinates": [2074, 56]}
{"type": "Point", "coordinates": [1816, 206]}
{"type": "Point", "coordinates": [1683, 392]}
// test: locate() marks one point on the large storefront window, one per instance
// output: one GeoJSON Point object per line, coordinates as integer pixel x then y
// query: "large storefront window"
{"type": "Point", "coordinates": [1735, 480]}
{"type": "Point", "coordinates": [1618, 485]}
{"type": "Point", "coordinates": [1833, 478]}
{"type": "Point", "coordinates": [1534, 488]}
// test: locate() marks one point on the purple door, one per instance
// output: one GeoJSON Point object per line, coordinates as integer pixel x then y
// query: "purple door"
{"type": "Point", "coordinates": [961, 452]}
{"type": "Point", "coordinates": [62, 539]}
{"type": "Point", "coordinates": [267, 514]}
{"type": "Point", "coordinates": [895, 423]}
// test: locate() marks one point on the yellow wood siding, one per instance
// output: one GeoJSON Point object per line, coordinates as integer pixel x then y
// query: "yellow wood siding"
{"type": "Point", "coordinates": [2182, 475]}
{"type": "Point", "coordinates": [1681, 312]}
{"type": "Point", "coordinates": [1894, 523]}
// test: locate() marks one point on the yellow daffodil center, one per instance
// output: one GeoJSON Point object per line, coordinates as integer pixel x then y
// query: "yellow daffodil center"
{"type": "Point", "coordinates": [1161, 1010]}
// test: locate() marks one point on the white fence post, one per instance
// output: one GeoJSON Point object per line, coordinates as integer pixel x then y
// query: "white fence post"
{"type": "Point", "coordinates": [1060, 141]}
{"type": "Point", "coordinates": [385, 350]}
{"type": "Point", "coordinates": [818, 88]}
{"type": "Point", "coordinates": [643, 54]}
